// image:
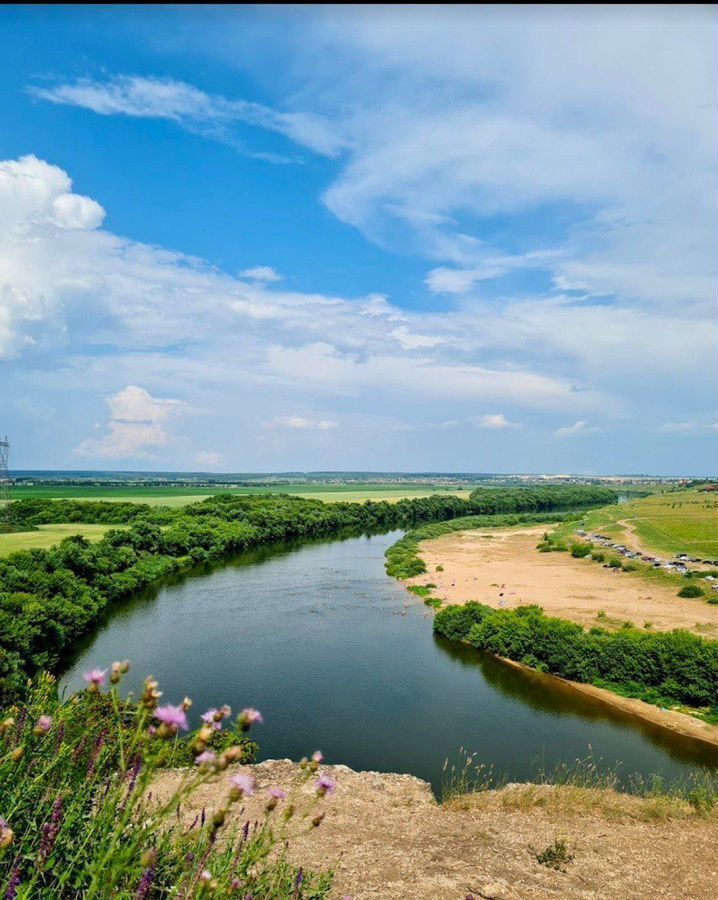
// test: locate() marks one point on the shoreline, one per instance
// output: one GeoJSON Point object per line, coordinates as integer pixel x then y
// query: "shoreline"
{"type": "Point", "coordinates": [672, 720]}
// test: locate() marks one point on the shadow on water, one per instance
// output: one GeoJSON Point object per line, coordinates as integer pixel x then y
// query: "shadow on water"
{"type": "Point", "coordinates": [551, 695]}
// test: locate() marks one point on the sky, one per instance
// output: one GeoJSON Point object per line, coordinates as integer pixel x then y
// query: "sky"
{"type": "Point", "coordinates": [377, 238]}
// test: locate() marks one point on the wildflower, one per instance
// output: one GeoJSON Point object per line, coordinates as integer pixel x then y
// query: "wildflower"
{"type": "Point", "coordinates": [50, 830]}
{"type": "Point", "coordinates": [206, 880]}
{"type": "Point", "coordinates": [212, 718]}
{"type": "Point", "coordinates": [186, 703]}
{"type": "Point", "coordinates": [94, 679]}
{"type": "Point", "coordinates": [13, 883]}
{"type": "Point", "coordinates": [205, 760]}
{"type": "Point", "coordinates": [6, 834]}
{"type": "Point", "coordinates": [234, 885]}
{"type": "Point", "coordinates": [277, 793]}
{"type": "Point", "coordinates": [150, 695]}
{"type": "Point", "coordinates": [43, 725]}
{"type": "Point", "coordinates": [241, 785]}
{"type": "Point", "coordinates": [143, 889]}
{"type": "Point", "coordinates": [317, 820]}
{"type": "Point", "coordinates": [6, 725]}
{"type": "Point", "coordinates": [17, 754]}
{"type": "Point", "coordinates": [318, 756]}
{"type": "Point", "coordinates": [324, 785]}
{"type": "Point", "coordinates": [249, 717]}
{"type": "Point", "coordinates": [172, 718]}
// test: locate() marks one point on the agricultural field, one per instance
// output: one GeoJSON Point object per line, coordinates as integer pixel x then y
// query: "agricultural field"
{"type": "Point", "coordinates": [48, 535]}
{"type": "Point", "coordinates": [664, 524]}
{"type": "Point", "coordinates": [178, 495]}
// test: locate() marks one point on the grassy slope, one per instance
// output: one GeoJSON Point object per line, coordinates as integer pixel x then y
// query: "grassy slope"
{"type": "Point", "coordinates": [670, 523]}
{"type": "Point", "coordinates": [47, 535]}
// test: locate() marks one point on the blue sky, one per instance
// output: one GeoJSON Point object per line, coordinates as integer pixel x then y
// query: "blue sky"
{"type": "Point", "coordinates": [475, 239]}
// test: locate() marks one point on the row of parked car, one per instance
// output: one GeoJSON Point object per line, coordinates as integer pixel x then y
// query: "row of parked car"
{"type": "Point", "coordinates": [678, 564]}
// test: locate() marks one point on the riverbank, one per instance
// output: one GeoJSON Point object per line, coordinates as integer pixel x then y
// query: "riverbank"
{"type": "Point", "coordinates": [387, 838]}
{"type": "Point", "coordinates": [677, 722]}
{"type": "Point", "coordinates": [503, 569]}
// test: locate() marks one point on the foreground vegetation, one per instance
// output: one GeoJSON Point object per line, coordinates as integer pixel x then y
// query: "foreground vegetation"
{"type": "Point", "coordinates": [50, 597]}
{"type": "Point", "coordinates": [664, 668]}
{"type": "Point", "coordinates": [79, 819]}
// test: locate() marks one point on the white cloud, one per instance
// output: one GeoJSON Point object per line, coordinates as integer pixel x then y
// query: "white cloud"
{"type": "Point", "coordinates": [580, 427]}
{"type": "Point", "coordinates": [496, 422]}
{"type": "Point", "coordinates": [210, 458]}
{"type": "Point", "coordinates": [134, 425]}
{"type": "Point", "coordinates": [688, 428]}
{"type": "Point", "coordinates": [164, 98]}
{"type": "Point", "coordinates": [299, 423]}
{"type": "Point", "coordinates": [261, 273]}
{"type": "Point", "coordinates": [411, 341]}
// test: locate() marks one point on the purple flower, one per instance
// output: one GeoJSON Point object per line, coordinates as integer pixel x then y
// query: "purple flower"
{"type": "Point", "coordinates": [243, 783]}
{"type": "Point", "coordinates": [13, 883]}
{"type": "Point", "coordinates": [95, 678]}
{"type": "Point", "coordinates": [276, 793]}
{"type": "Point", "coordinates": [249, 717]}
{"type": "Point", "coordinates": [324, 785]}
{"type": "Point", "coordinates": [318, 756]}
{"type": "Point", "coordinates": [50, 830]}
{"type": "Point", "coordinates": [205, 759]}
{"type": "Point", "coordinates": [213, 717]}
{"type": "Point", "coordinates": [43, 725]}
{"type": "Point", "coordinates": [143, 889]}
{"type": "Point", "coordinates": [174, 717]}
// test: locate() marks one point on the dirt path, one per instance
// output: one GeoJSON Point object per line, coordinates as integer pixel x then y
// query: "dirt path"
{"type": "Point", "coordinates": [632, 541]}
{"type": "Point", "coordinates": [504, 568]}
{"type": "Point", "coordinates": [388, 839]}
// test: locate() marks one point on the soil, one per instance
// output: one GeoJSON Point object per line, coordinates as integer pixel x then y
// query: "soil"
{"type": "Point", "coordinates": [387, 838]}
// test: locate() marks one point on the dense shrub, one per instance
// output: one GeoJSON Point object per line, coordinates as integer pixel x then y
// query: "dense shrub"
{"type": "Point", "coordinates": [580, 550]}
{"type": "Point", "coordinates": [676, 665]}
{"type": "Point", "coordinates": [690, 590]}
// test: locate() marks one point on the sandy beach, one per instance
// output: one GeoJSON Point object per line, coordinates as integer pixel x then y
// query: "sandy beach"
{"type": "Point", "coordinates": [504, 568]}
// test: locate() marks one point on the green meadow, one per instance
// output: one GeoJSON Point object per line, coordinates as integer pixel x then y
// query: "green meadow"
{"type": "Point", "coordinates": [48, 535]}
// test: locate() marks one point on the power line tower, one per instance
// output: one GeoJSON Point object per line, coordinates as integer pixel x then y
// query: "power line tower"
{"type": "Point", "coordinates": [4, 481]}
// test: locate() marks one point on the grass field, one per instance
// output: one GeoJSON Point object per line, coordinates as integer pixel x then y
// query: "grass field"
{"type": "Point", "coordinates": [47, 535]}
{"type": "Point", "coordinates": [176, 495]}
{"type": "Point", "coordinates": [666, 524]}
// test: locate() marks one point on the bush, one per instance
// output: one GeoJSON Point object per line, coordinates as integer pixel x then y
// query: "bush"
{"type": "Point", "coordinates": [580, 550]}
{"type": "Point", "coordinates": [690, 590]}
{"type": "Point", "coordinates": [676, 665]}
{"type": "Point", "coordinates": [598, 556]}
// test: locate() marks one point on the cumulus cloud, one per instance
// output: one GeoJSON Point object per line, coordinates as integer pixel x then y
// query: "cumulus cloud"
{"type": "Point", "coordinates": [495, 422]}
{"type": "Point", "coordinates": [579, 427]}
{"type": "Point", "coordinates": [261, 273]}
{"type": "Point", "coordinates": [213, 115]}
{"type": "Point", "coordinates": [135, 425]}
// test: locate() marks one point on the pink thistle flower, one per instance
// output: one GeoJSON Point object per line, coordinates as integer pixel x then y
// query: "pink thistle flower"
{"type": "Point", "coordinates": [94, 678]}
{"type": "Point", "coordinates": [43, 725]}
{"type": "Point", "coordinates": [213, 717]}
{"type": "Point", "coordinates": [277, 794]}
{"type": "Point", "coordinates": [207, 758]}
{"type": "Point", "coordinates": [324, 785]}
{"type": "Point", "coordinates": [249, 717]}
{"type": "Point", "coordinates": [174, 717]}
{"type": "Point", "coordinates": [318, 756]}
{"type": "Point", "coordinates": [243, 783]}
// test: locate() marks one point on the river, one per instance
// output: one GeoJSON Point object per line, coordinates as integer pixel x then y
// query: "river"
{"type": "Point", "coordinates": [339, 657]}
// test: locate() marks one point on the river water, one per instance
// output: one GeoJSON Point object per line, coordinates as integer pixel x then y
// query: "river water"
{"type": "Point", "coordinates": [339, 657]}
